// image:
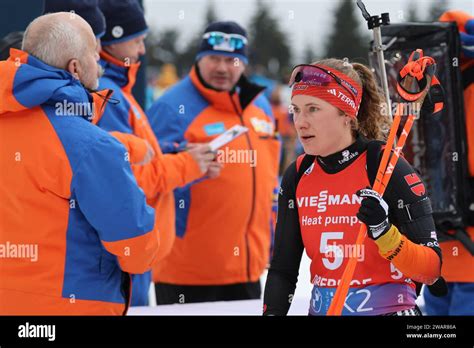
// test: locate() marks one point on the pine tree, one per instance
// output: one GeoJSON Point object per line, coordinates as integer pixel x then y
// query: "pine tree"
{"type": "Point", "coordinates": [436, 10]}
{"type": "Point", "coordinates": [166, 49]}
{"type": "Point", "coordinates": [268, 48]}
{"type": "Point", "coordinates": [211, 15]}
{"type": "Point", "coordinates": [346, 41]}
{"type": "Point", "coordinates": [186, 59]}
{"type": "Point", "coordinates": [412, 13]}
{"type": "Point", "coordinates": [308, 55]}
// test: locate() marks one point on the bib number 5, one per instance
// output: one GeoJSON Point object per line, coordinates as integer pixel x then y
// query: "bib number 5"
{"type": "Point", "coordinates": [333, 250]}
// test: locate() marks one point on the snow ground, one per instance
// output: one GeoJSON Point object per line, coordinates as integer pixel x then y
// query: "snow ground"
{"type": "Point", "coordinates": [299, 305]}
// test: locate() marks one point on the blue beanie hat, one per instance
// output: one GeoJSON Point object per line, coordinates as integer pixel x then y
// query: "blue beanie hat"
{"type": "Point", "coordinates": [125, 20]}
{"type": "Point", "coordinates": [87, 9]}
{"type": "Point", "coordinates": [207, 48]}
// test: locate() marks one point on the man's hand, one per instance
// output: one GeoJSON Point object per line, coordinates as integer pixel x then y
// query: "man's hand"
{"type": "Point", "coordinates": [202, 154]}
{"type": "Point", "coordinates": [374, 213]}
{"type": "Point", "coordinates": [214, 169]}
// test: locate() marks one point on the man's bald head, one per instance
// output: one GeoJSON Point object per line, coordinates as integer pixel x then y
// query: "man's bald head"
{"type": "Point", "coordinates": [61, 38]}
{"type": "Point", "coordinates": [57, 38]}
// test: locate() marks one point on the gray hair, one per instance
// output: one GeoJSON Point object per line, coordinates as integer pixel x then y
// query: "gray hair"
{"type": "Point", "coordinates": [54, 39]}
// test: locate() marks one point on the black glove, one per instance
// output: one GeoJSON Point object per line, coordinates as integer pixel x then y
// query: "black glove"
{"type": "Point", "coordinates": [374, 213]}
{"type": "Point", "coordinates": [433, 100]}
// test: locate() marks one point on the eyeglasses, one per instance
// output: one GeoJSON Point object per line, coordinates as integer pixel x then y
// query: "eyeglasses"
{"type": "Point", "coordinates": [317, 76]}
{"type": "Point", "coordinates": [224, 41]}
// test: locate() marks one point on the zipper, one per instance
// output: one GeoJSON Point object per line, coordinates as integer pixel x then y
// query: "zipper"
{"type": "Point", "coordinates": [253, 188]}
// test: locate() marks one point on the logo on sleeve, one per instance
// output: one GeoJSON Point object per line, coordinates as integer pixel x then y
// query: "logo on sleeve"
{"type": "Point", "coordinates": [415, 184]}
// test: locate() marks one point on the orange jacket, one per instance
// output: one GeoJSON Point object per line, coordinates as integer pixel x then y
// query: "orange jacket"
{"type": "Point", "coordinates": [73, 221]}
{"type": "Point", "coordinates": [458, 263]}
{"type": "Point", "coordinates": [163, 173]}
{"type": "Point", "coordinates": [285, 126]}
{"type": "Point", "coordinates": [223, 225]}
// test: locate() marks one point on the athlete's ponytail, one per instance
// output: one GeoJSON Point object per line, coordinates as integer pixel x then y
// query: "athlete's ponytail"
{"type": "Point", "coordinates": [371, 121]}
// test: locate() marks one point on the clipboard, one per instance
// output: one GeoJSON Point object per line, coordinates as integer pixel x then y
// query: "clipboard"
{"type": "Point", "coordinates": [226, 137]}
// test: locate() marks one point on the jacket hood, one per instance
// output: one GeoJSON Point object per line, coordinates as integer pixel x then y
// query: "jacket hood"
{"type": "Point", "coordinates": [28, 82]}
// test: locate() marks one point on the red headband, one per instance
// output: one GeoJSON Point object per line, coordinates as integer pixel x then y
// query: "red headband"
{"type": "Point", "coordinates": [346, 94]}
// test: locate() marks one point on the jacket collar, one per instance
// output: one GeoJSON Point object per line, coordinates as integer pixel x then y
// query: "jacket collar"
{"type": "Point", "coordinates": [100, 100]}
{"type": "Point", "coordinates": [123, 74]}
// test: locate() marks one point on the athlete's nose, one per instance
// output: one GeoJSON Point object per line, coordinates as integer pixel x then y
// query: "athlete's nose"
{"type": "Point", "coordinates": [301, 122]}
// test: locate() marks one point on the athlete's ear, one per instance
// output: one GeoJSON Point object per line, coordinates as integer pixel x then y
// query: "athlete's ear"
{"type": "Point", "coordinates": [347, 120]}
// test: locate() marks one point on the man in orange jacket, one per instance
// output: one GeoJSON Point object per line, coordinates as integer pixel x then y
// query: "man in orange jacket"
{"type": "Point", "coordinates": [458, 263]}
{"type": "Point", "coordinates": [223, 225]}
{"type": "Point", "coordinates": [74, 224]}
{"type": "Point", "coordinates": [122, 46]}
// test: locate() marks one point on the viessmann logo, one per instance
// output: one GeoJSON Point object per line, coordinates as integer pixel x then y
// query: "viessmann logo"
{"type": "Point", "coordinates": [323, 199]}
